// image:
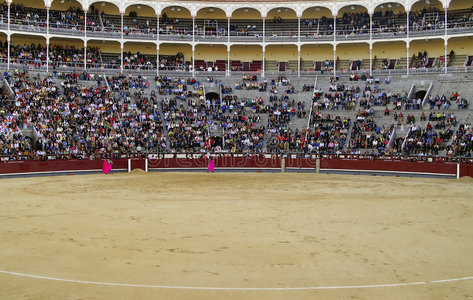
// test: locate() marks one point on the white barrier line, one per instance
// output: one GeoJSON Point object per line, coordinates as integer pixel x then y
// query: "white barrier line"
{"type": "Point", "coordinates": [237, 288]}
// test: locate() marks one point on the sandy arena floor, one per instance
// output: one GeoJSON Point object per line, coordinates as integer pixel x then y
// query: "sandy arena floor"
{"type": "Point", "coordinates": [228, 230]}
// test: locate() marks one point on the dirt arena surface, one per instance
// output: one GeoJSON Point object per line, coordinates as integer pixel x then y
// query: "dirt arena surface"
{"type": "Point", "coordinates": [236, 230]}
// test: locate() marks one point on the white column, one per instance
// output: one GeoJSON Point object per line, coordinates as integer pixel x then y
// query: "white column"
{"type": "Point", "coordinates": [227, 72]}
{"type": "Point", "coordinates": [193, 29]}
{"type": "Point", "coordinates": [193, 46]}
{"type": "Point", "coordinates": [407, 42]}
{"type": "Point", "coordinates": [157, 27]}
{"type": "Point", "coordinates": [334, 28]}
{"type": "Point", "coordinates": [371, 27]}
{"type": "Point", "coordinates": [264, 62]}
{"type": "Point", "coordinates": [8, 55]}
{"type": "Point", "coordinates": [121, 26]}
{"type": "Point", "coordinates": [9, 19]}
{"type": "Point", "coordinates": [85, 55]}
{"type": "Point", "coordinates": [8, 35]}
{"type": "Point", "coordinates": [371, 59]}
{"type": "Point", "coordinates": [85, 40]}
{"type": "Point", "coordinates": [228, 61]}
{"type": "Point", "coordinates": [47, 19]}
{"type": "Point", "coordinates": [193, 59]}
{"type": "Point", "coordinates": [228, 30]}
{"type": "Point", "coordinates": [334, 60]}
{"type": "Point", "coordinates": [445, 61]}
{"type": "Point", "coordinates": [47, 54]}
{"type": "Point", "coordinates": [47, 37]}
{"type": "Point", "coordinates": [446, 20]}
{"type": "Point", "coordinates": [157, 60]}
{"type": "Point", "coordinates": [298, 47]}
{"type": "Point", "coordinates": [408, 23]}
{"type": "Point", "coordinates": [298, 61]}
{"type": "Point", "coordinates": [371, 44]}
{"type": "Point", "coordinates": [264, 29]}
{"type": "Point", "coordinates": [299, 29]}
{"type": "Point", "coordinates": [407, 50]}
{"type": "Point", "coordinates": [121, 58]}
{"type": "Point", "coordinates": [121, 42]}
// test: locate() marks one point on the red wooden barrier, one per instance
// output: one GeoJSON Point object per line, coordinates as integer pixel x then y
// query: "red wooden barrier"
{"type": "Point", "coordinates": [466, 169]}
{"type": "Point", "coordinates": [188, 161]}
{"type": "Point", "coordinates": [389, 165]}
{"type": "Point", "coordinates": [137, 163]}
{"type": "Point", "coordinates": [228, 161]}
{"type": "Point", "coordinates": [51, 166]}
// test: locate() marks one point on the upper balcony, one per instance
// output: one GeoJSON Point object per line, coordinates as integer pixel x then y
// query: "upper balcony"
{"type": "Point", "coordinates": [246, 25]}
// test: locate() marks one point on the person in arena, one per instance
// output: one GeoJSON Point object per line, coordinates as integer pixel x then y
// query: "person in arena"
{"type": "Point", "coordinates": [210, 168]}
{"type": "Point", "coordinates": [107, 166]}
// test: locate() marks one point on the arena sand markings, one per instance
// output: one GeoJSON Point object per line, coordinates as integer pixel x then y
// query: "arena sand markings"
{"type": "Point", "coordinates": [207, 236]}
{"type": "Point", "coordinates": [237, 288]}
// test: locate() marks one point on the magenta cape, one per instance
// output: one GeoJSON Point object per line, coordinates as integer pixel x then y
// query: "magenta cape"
{"type": "Point", "coordinates": [211, 166]}
{"type": "Point", "coordinates": [106, 167]}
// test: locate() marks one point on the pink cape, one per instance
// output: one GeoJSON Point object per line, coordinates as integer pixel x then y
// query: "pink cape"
{"type": "Point", "coordinates": [106, 167]}
{"type": "Point", "coordinates": [211, 166]}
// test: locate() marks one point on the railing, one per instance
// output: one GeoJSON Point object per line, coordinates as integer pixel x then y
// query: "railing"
{"type": "Point", "coordinates": [391, 138]}
{"type": "Point", "coordinates": [150, 33]}
{"type": "Point", "coordinates": [411, 91]}
{"type": "Point", "coordinates": [405, 138]}
{"type": "Point", "coordinates": [113, 68]}
{"type": "Point", "coordinates": [427, 93]}
{"type": "Point", "coordinates": [106, 81]}
{"type": "Point", "coordinates": [311, 108]}
{"type": "Point", "coordinates": [9, 89]}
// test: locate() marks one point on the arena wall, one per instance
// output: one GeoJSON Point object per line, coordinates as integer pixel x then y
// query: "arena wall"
{"type": "Point", "coordinates": [228, 162]}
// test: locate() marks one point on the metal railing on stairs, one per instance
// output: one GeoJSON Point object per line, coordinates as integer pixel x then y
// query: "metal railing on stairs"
{"type": "Point", "coordinates": [405, 138]}
{"type": "Point", "coordinates": [106, 81]}
{"type": "Point", "coordinates": [311, 107]}
{"type": "Point", "coordinates": [427, 93]}
{"type": "Point", "coordinates": [391, 137]}
{"type": "Point", "coordinates": [411, 91]}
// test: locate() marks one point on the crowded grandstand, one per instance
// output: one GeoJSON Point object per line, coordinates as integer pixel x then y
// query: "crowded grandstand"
{"type": "Point", "coordinates": [83, 80]}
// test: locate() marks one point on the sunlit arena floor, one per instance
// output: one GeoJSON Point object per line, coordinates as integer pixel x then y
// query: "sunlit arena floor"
{"type": "Point", "coordinates": [235, 236]}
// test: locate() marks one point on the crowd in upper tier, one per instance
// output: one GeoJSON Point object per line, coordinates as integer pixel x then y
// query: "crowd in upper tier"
{"type": "Point", "coordinates": [391, 21]}
{"type": "Point", "coordinates": [61, 56]}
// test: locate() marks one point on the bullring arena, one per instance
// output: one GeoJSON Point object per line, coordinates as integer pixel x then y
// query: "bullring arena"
{"type": "Point", "coordinates": [236, 235]}
{"type": "Point", "coordinates": [340, 131]}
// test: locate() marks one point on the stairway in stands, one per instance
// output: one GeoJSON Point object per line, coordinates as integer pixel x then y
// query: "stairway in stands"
{"type": "Point", "coordinates": [343, 64]}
